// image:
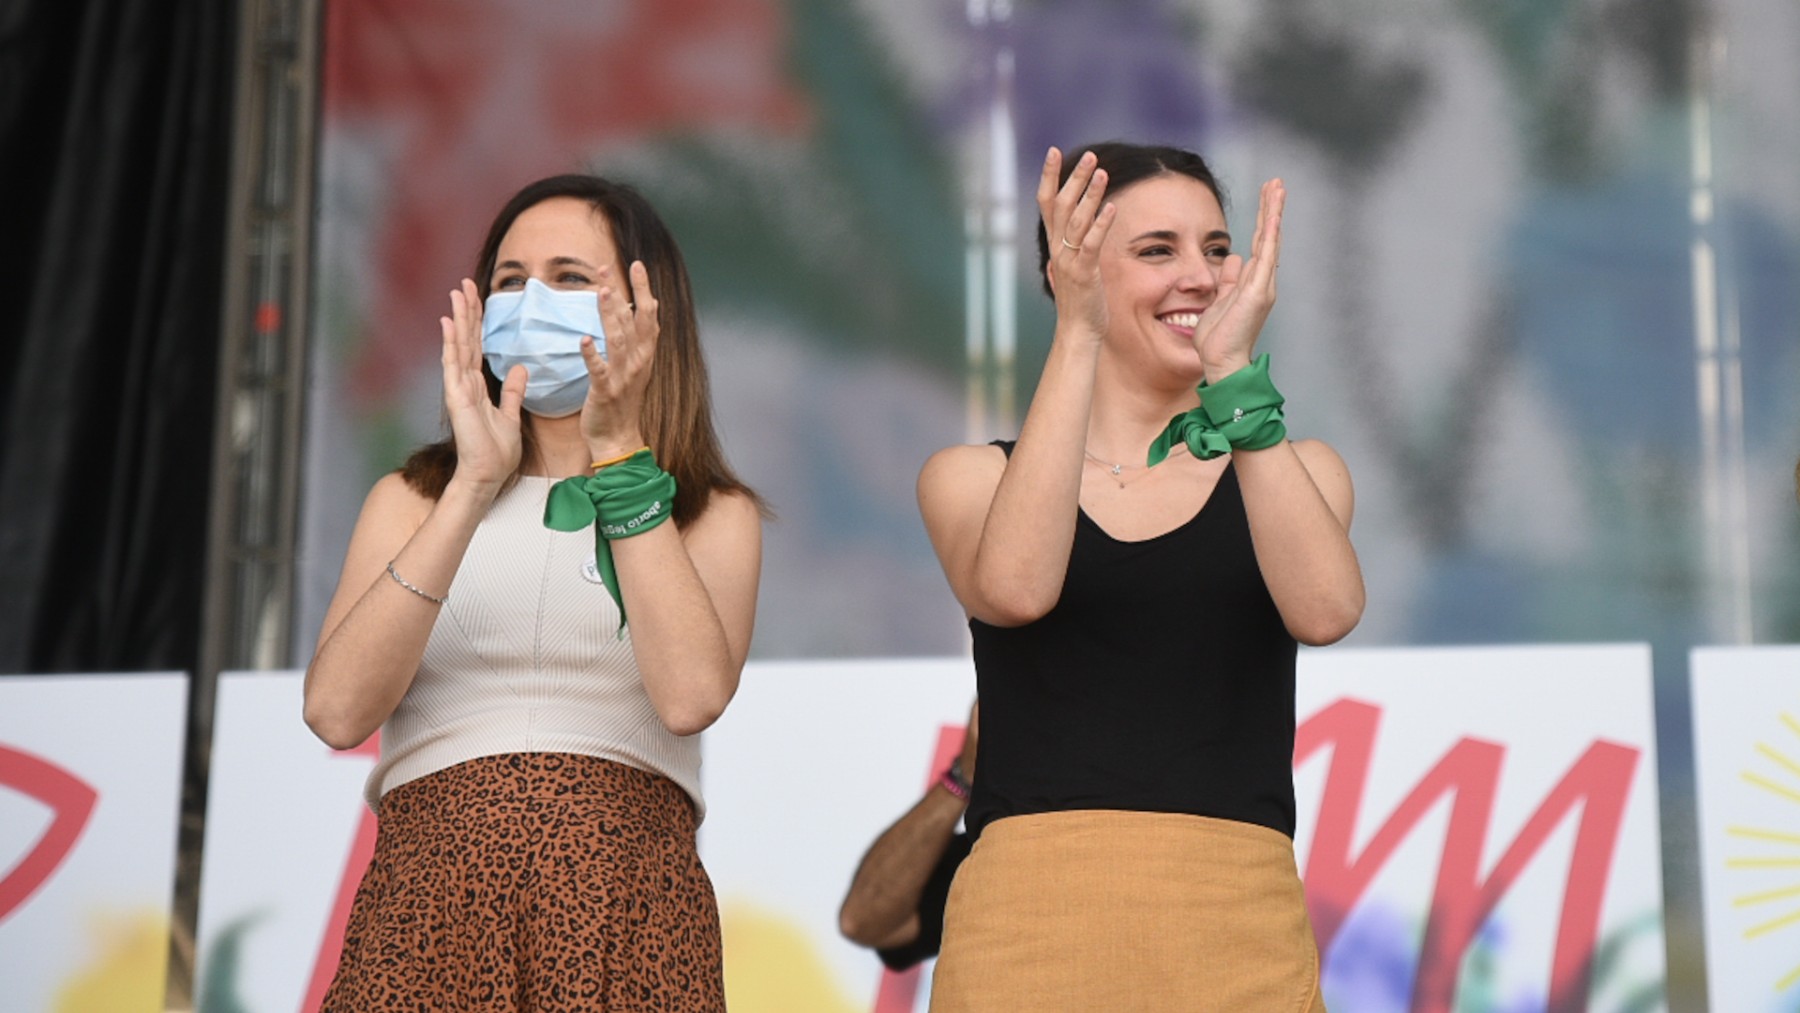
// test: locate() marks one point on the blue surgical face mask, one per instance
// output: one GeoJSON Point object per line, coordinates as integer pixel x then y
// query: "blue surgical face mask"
{"type": "Point", "coordinates": [540, 328]}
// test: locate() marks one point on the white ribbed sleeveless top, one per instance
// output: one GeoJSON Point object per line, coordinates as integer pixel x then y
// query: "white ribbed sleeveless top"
{"type": "Point", "coordinates": [526, 657]}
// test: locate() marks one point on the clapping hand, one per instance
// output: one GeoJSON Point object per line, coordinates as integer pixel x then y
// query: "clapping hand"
{"type": "Point", "coordinates": [487, 435]}
{"type": "Point", "coordinates": [1226, 337]}
{"type": "Point", "coordinates": [617, 381]}
{"type": "Point", "coordinates": [1075, 225]}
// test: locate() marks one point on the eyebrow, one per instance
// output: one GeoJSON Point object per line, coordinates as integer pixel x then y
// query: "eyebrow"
{"type": "Point", "coordinates": [554, 262]}
{"type": "Point", "coordinates": [1169, 235]}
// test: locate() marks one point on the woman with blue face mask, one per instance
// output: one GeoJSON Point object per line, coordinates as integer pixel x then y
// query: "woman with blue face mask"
{"type": "Point", "coordinates": [540, 614]}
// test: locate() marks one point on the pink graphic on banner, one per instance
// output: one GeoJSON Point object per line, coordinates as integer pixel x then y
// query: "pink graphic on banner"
{"type": "Point", "coordinates": [900, 989]}
{"type": "Point", "coordinates": [1597, 784]}
{"type": "Point", "coordinates": [71, 801]}
{"type": "Point", "coordinates": [362, 848]}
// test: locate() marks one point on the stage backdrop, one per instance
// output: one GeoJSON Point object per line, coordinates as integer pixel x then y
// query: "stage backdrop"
{"type": "Point", "coordinates": [1537, 286]}
{"type": "Point", "coordinates": [1491, 223]}
{"type": "Point", "coordinates": [90, 787]}
{"type": "Point", "coordinates": [1479, 830]}
{"type": "Point", "coordinates": [1747, 751]}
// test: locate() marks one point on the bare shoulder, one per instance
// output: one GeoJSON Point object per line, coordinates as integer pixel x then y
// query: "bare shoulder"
{"type": "Point", "coordinates": [725, 546]}
{"type": "Point", "coordinates": [391, 514]}
{"type": "Point", "coordinates": [730, 513]}
{"type": "Point", "coordinates": [393, 502]}
{"type": "Point", "coordinates": [1318, 456]}
{"type": "Point", "coordinates": [1330, 474]}
{"type": "Point", "coordinates": [956, 489]}
{"type": "Point", "coordinates": [962, 463]}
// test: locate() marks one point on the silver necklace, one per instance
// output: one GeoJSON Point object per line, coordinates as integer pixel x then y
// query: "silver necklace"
{"type": "Point", "coordinates": [1116, 470]}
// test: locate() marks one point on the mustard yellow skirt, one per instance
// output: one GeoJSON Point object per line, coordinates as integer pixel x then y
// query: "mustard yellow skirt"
{"type": "Point", "coordinates": [1102, 910]}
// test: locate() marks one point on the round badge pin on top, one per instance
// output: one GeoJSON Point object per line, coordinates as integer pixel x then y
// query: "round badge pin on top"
{"type": "Point", "coordinates": [591, 571]}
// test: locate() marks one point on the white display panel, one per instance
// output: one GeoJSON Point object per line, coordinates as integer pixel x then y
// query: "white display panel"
{"type": "Point", "coordinates": [1746, 707]}
{"type": "Point", "coordinates": [1511, 789]}
{"type": "Point", "coordinates": [90, 785]}
{"type": "Point", "coordinates": [287, 839]}
{"type": "Point", "coordinates": [810, 763]}
{"type": "Point", "coordinates": [1479, 828]}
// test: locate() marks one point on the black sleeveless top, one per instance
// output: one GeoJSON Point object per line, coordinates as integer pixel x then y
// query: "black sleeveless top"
{"type": "Point", "coordinates": [1162, 681]}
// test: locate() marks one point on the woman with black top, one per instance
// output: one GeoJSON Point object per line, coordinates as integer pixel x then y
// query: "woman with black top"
{"type": "Point", "coordinates": [1136, 587]}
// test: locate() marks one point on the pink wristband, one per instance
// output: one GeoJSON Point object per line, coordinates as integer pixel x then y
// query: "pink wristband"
{"type": "Point", "coordinates": [953, 784]}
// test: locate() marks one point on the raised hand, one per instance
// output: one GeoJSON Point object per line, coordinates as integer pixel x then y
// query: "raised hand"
{"type": "Point", "coordinates": [487, 436]}
{"type": "Point", "coordinates": [1226, 337]}
{"type": "Point", "coordinates": [1076, 223]}
{"type": "Point", "coordinates": [616, 383]}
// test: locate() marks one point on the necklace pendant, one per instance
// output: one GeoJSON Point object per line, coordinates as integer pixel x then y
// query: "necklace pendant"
{"type": "Point", "coordinates": [1116, 469]}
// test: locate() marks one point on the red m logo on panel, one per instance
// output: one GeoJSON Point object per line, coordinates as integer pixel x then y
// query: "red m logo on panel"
{"type": "Point", "coordinates": [1597, 784]}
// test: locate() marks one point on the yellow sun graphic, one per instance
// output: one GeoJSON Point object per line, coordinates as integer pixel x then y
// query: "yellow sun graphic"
{"type": "Point", "coordinates": [772, 965]}
{"type": "Point", "coordinates": [1772, 849]}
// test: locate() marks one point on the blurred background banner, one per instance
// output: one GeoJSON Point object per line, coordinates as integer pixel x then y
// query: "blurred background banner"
{"type": "Point", "coordinates": [1538, 282]}
{"type": "Point", "coordinates": [90, 788]}
{"type": "Point", "coordinates": [1747, 750]}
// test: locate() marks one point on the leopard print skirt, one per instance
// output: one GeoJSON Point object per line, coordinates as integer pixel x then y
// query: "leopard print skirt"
{"type": "Point", "coordinates": [533, 882]}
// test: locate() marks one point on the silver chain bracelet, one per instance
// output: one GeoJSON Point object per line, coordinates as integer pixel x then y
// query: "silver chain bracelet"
{"type": "Point", "coordinates": [402, 581]}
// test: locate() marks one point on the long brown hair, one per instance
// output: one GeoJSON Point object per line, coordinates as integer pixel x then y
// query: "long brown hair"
{"type": "Point", "coordinates": [677, 413]}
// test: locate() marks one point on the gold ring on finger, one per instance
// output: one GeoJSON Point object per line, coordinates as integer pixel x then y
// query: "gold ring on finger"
{"type": "Point", "coordinates": [1072, 246]}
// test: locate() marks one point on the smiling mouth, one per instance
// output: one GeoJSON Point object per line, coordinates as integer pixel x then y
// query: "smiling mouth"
{"type": "Point", "coordinates": [1187, 320]}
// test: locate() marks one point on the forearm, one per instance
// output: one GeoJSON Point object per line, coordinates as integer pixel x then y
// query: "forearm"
{"type": "Point", "coordinates": [1302, 545]}
{"type": "Point", "coordinates": [1030, 527]}
{"type": "Point", "coordinates": [687, 661]}
{"type": "Point", "coordinates": [881, 907]}
{"type": "Point", "coordinates": [366, 658]}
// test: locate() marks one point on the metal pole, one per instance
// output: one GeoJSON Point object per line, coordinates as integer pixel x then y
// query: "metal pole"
{"type": "Point", "coordinates": [1003, 232]}
{"type": "Point", "coordinates": [1718, 376]}
{"type": "Point", "coordinates": [975, 290]}
{"type": "Point", "coordinates": [248, 615]}
{"type": "Point", "coordinates": [991, 235]}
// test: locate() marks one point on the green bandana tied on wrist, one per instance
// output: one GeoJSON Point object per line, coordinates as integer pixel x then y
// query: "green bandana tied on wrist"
{"type": "Point", "coordinates": [1240, 412]}
{"type": "Point", "coordinates": [621, 500]}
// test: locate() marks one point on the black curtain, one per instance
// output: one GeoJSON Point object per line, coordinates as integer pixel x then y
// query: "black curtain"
{"type": "Point", "coordinates": [115, 149]}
